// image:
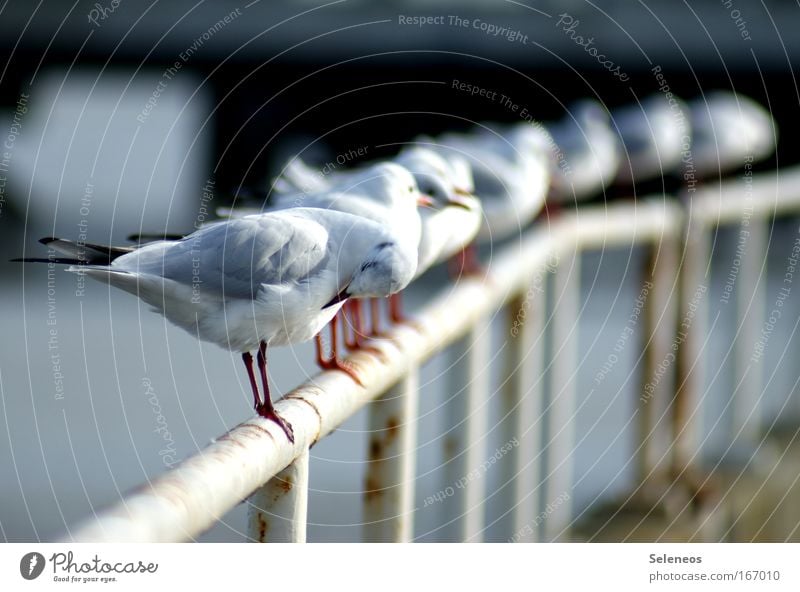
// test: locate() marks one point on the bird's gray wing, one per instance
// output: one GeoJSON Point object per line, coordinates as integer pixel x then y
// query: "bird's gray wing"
{"type": "Point", "coordinates": [233, 259]}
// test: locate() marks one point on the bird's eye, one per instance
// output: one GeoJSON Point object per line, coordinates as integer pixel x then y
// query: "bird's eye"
{"type": "Point", "coordinates": [410, 189]}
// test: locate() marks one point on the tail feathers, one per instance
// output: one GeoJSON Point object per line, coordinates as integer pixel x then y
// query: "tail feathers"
{"type": "Point", "coordinates": [282, 185]}
{"type": "Point", "coordinates": [297, 170]}
{"type": "Point", "coordinates": [60, 260]}
{"type": "Point", "coordinates": [297, 176]}
{"type": "Point", "coordinates": [146, 237]}
{"type": "Point", "coordinates": [77, 254]}
{"type": "Point", "coordinates": [88, 252]}
{"type": "Point", "coordinates": [100, 271]}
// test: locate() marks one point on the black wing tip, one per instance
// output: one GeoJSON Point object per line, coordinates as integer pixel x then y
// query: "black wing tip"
{"type": "Point", "coordinates": [59, 260]}
{"type": "Point", "coordinates": [340, 297]}
{"type": "Point", "coordinates": [155, 236]}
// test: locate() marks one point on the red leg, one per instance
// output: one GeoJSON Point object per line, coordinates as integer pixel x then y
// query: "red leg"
{"type": "Point", "coordinates": [353, 322]}
{"type": "Point", "coordinates": [551, 209]}
{"type": "Point", "coordinates": [247, 358]}
{"type": "Point", "coordinates": [375, 310]}
{"type": "Point", "coordinates": [396, 309]}
{"type": "Point", "coordinates": [472, 265]}
{"type": "Point", "coordinates": [318, 347]}
{"type": "Point", "coordinates": [265, 408]}
{"type": "Point", "coordinates": [396, 313]}
{"type": "Point", "coordinates": [334, 324]}
{"type": "Point", "coordinates": [333, 362]}
{"type": "Point", "coordinates": [466, 263]}
{"type": "Point", "coordinates": [359, 335]}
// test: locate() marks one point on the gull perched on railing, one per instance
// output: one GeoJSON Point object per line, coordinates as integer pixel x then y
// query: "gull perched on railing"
{"type": "Point", "coordinates": [510, 167]}
{"type": "Point", "coordinates": [447, 227]}
{"type": "Point", "coordinates": [450, 215]}
{"type": "Point", "coordinates": [268, 279]}
{"type": "Point", "coordinates": [456, 217]}
{"type": "Point", "coordinates": [591, 152]}
{"type": "Point", "coordinates": [655, 134]}
{"type": "Point", "coordinates": [435, 177]}
{"type": "Point", "coordinates": [728, 130]}
{"type": "Point", "coordinates": [352, 192]}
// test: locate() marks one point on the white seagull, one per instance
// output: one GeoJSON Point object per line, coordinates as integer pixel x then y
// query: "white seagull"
{"type": "Point", "coordinates": [257, 281]}
{"type": "Point", "coordinates": [655, 134]}
{"type": "Point", "coordinates": [728, 130]}
{"type": "Point", "coordinates": [455, 218]}
{"type": "Point", "coordinates": [432, 173]}
{"type": "Point", "coordinates": [591, 152]}
{"type": "Point", "coordinates": [511, 173]}
{"type": "Point", "coordinates": [449, 220]}
{"type": "Point", "coordinates": [348, 192]}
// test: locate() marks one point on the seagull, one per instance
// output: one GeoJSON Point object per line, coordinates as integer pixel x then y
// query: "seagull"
{"type": "Point", "coordinates": [450, 214]}
{"type": "Point", "coordinates": [449, 222]}
{"type": "Point", "coordinates": [367, 192]}
{"type": "Point", "coordinates": [511, 174]}
{"type": "Point", "coordinates": [728, 129]}
{"type": "Point", "coordinates": [379, 193]}
{"type": "Point", "coordinates": [344, 193]}
{"type": "Point", "coordinates": [591, 152]}
{"type": "Point", "coordinates": [433, 175]}
{"type": "Point", "coordinates": [655, 133]}
{"type": "Point", "coordinates": [456, 217]}
{"type": "Point", "coordinates": [261, 280]}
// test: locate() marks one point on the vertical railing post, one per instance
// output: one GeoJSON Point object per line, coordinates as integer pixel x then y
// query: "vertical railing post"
{"type": "Point", "coordinates": [391, 464]}
{"type": "Point", "coordinates": [657, 380]}
{"type": "Point", "coordinates": [522, 398]}
{"type": "Point", "coordinates": [465, 444]}
{"type": "Point", "coordinates": [563, 393]}
{"type": "Point", "coordinates": [750, 312]}
{"type": "Point", "coordinates": [278, 510]}
{"type": "Point", "coordinates": [692, 330]}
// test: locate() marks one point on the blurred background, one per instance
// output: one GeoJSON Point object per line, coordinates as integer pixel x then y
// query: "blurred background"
{"type": "Point", "coordinates": [119, 117]}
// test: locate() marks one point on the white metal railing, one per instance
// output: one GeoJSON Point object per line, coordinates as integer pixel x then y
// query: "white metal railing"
{"type": "Point", "coordinates": [255, 460]}
{"type": "Point", "coordinates": [749, 206]}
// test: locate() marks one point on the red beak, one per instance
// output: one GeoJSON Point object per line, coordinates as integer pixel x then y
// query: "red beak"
{"type": "Point", "coordinates": [425, 201]}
